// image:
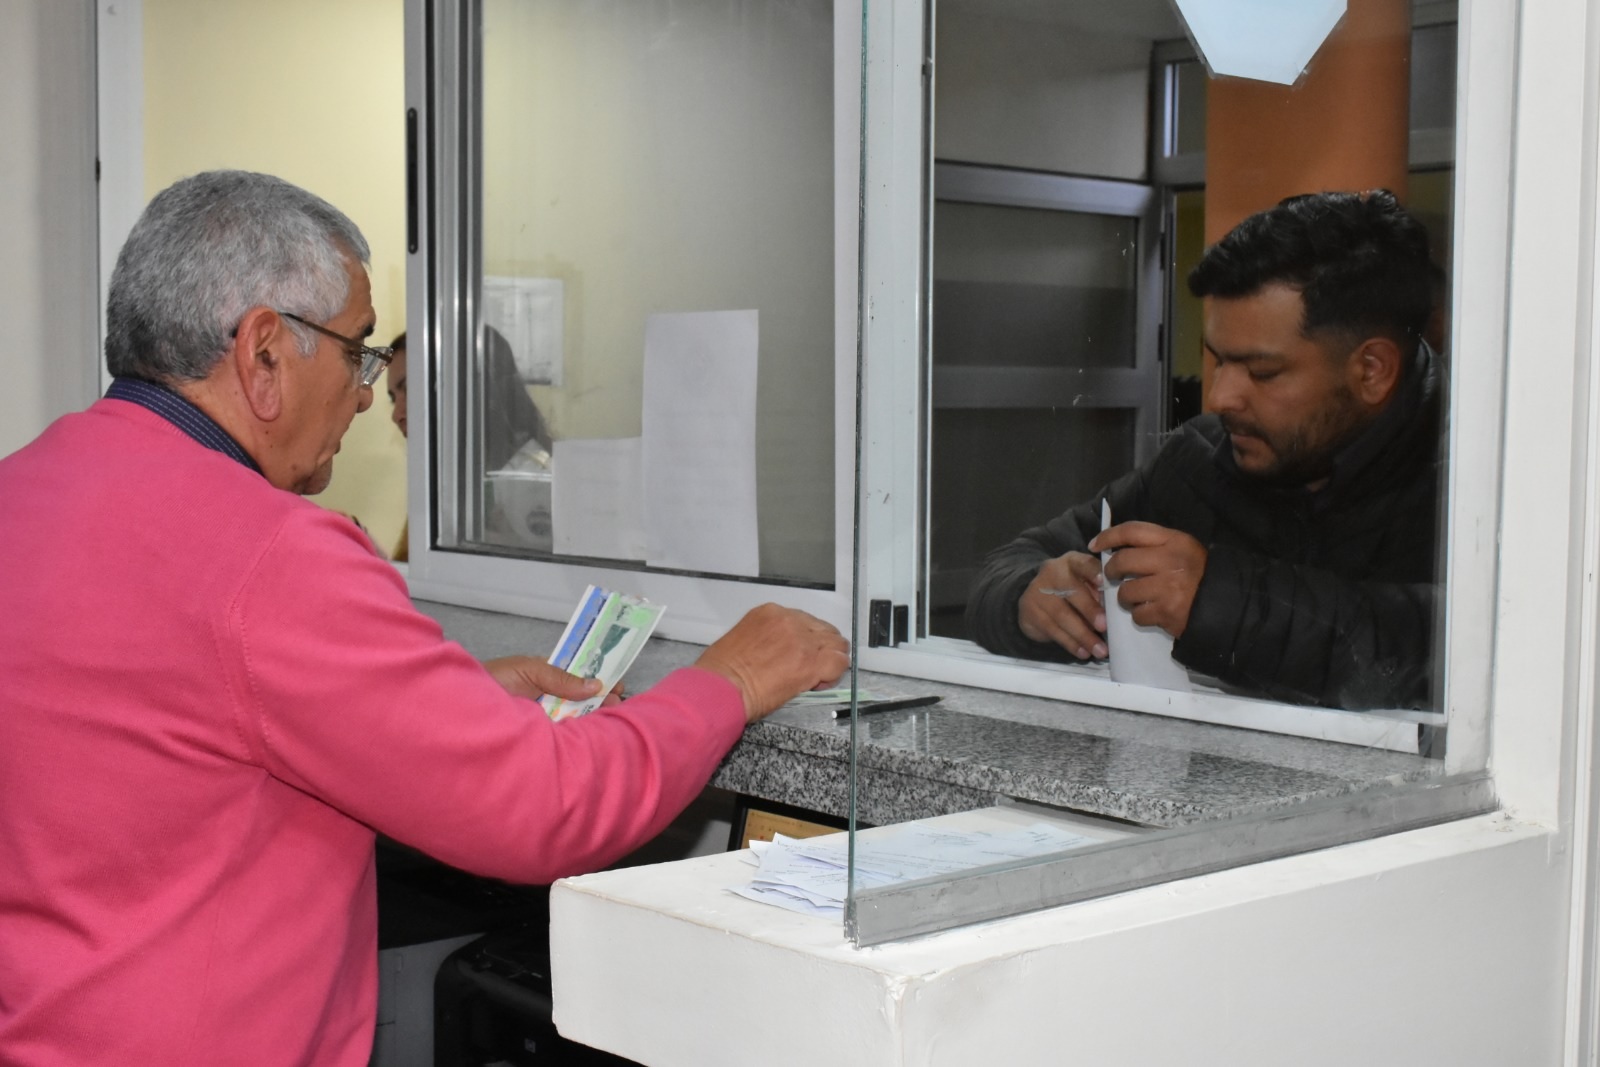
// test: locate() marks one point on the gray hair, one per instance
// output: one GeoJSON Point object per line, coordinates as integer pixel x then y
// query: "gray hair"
{"type": "Point", "coordinates": [209, 248]}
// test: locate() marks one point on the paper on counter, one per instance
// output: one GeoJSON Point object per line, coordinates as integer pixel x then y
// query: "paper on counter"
{"type": "Point", "coordinates": [597, 498]}
{"type": "Point", "coordinates": [811, 876]}
{"type": "Point", "coordinates": [700, 441]}
{"type": "Point", "coordinates": [1139, 654]}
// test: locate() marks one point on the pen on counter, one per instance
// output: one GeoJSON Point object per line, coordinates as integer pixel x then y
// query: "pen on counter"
{"type": "Point", "coordinates": [868, 707]}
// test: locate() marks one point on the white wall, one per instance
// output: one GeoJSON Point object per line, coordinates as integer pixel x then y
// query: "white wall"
{"type": "Point", "coordinates": [1016, 92]}
{"type": "Point", "coordinates": [49, 354]}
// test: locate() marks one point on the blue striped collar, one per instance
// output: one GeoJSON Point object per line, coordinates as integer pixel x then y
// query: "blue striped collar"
{"type": "Point", "coordinates": [182, 414]}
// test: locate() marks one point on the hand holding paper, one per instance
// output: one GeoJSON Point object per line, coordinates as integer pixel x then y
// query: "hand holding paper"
{"type": "Point", "coordinates": [1064, 604]}
{"type": "Point", "coordinates": [605, 633]}
{"type": "Point", "coordinates": [1156, 571]}
{"type": "Point", "coordinates": [532, 678]}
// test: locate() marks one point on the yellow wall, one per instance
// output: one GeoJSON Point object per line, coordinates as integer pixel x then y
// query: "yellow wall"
{"type": "Point", "coordinates": [660, 157]}
{"type": "Point", "coordinates": [312, 91]}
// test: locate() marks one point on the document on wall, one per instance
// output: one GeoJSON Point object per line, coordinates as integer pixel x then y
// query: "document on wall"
{"type": "Point", "coordinates": [811, 876]}
{"type": "Point", "coordinates": [699, 441]}
{"type": "Point", "coordinates": [601, 640]}
{"type": "Point", "coordinates": [597, 498]}
{"type": "Point", "coordinates": [1139, 654]}
{"type": "Point", "coordinates": [530, 314]}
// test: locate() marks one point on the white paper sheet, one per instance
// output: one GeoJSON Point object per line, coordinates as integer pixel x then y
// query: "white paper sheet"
{"type": "Point", "coordinates": [811, 876]}
{"type": "Point", "coordinates": [530, 313]}
{"type": "Point", "coordinates": [700, 441]}
{"type": "Point", "coordinates": [597, 498]}
{"type": "Point", "coordinates": [1139, 654]}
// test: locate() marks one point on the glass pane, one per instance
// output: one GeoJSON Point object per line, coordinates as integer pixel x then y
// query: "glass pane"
{"type": "Point", "coordinates": [654, 376]}
{"type": "Point", "coordinates": [1267, 475]}
{"type": "Point", "coordinates": [1189, 116]}
{"type": "Point", "coordinates": [979, 498]}
{"type": "Point", "coordinates": [1433, 77]}
{"type": "Point", "coordinates": [1272, 547]}
{"type": "Point", "coordinates": [1185, 349]}
{"type": "Point", "coordinates": [1020, 287]}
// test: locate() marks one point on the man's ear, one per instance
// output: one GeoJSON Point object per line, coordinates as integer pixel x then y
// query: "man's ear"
{"type": "Point", "coordinates": [1374, 370]}
{"type": "Point", "coordinates": [259, 346]}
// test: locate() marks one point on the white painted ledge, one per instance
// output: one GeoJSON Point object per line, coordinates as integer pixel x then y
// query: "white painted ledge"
{"type": "Point", "coordinates": [1443, 945]}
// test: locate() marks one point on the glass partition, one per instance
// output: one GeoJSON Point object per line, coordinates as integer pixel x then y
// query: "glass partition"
{"type": "Point", "coordinates": [827, 302]}
{"type": "Point", "coordinates": [1041, 344]}
{"type": "Point", "coordinates": [1064, 355]}
{"type": "Point", "coordinates": [1276, 554]}
{"type": "Point", "coordinates": [646, 338]}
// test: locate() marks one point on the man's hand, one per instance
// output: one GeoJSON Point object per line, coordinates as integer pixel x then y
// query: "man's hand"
{"type": "Point", "coordinates": [775, 653]}
{"type": "Point", "coordinates": [526, 676]}
{"type": "Point", "coordinates": [1160, 570]}
{"type": "Point", "coordinates": [1064, 604]}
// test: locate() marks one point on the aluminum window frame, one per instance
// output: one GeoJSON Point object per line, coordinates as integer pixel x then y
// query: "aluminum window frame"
{"type": "Point", "coordinates": [442, 272]}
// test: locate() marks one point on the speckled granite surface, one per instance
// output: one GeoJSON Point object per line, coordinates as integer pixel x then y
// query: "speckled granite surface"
{"type": "Point", "coordinates": [977, 746]}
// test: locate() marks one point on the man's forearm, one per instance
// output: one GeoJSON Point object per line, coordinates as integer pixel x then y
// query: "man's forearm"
{"type": "Point", "coordinates": [1305, 635]}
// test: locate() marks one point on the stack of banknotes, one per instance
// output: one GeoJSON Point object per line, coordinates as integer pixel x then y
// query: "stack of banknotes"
{"type": "Point", "coordinates": [601, 640]}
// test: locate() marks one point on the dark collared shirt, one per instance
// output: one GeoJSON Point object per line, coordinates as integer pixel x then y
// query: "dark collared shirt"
{"type": "Point", "coordinates": [182, 414]}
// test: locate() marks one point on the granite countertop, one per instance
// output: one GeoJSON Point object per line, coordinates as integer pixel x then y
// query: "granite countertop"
{"type": "Point", "coordinates": [978, 747]}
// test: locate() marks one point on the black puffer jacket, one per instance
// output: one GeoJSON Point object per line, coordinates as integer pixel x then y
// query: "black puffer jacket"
{"type": "Point", "coordinates": [1324, 598]}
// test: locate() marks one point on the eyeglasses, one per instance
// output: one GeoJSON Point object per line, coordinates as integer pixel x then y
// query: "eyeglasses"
{"type": "Point", "coordinates": [368, 360]}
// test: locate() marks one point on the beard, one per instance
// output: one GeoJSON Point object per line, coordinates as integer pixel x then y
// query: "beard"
{"type": "Point", "coordinates": [1304, 454]}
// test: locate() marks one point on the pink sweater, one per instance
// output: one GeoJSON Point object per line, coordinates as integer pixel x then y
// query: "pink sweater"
{"type": "Point", "coordinates": [212, 693]}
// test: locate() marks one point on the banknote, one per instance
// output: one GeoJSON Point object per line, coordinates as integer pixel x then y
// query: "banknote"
{"type": "Point", "coordinates": [615, 634]}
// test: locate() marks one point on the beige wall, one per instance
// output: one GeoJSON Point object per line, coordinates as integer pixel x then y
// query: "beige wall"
{"type": "Point", "coordinates": [49, 354]}
{"type": "Point", "coordinates": [312, 91]}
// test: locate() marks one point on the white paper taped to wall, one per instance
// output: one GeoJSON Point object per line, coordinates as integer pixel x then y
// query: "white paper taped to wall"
{"type": "Point", "coordinates": [597, 503]}
{"type": "Point", "coordinates": [699, 427]}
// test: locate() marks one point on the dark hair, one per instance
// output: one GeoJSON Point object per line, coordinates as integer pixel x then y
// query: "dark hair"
{"type": "Point", "coordinates": [1359, 260]}
{"type": "Point", "coordinates": [510, 417]}
{"type": "Point", "coordinates": [399, 341]}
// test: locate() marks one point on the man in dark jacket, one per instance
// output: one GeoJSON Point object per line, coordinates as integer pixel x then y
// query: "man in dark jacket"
{"type": "Point", "coordinates": [1286, 538]}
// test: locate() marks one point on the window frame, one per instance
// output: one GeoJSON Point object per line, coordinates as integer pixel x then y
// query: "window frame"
{"type": "Point", "coordinates": [893, 531]}
{"type": "Point", "coordinates": [700, 606]}
{"type": "Point", "coordinates": [1474, 619]}
{"type": "Point", "coordinates": [892, 133]}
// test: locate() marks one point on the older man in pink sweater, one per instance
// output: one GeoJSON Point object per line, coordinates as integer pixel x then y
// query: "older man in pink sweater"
{"type": "Point", "coordinates": [213, 693]}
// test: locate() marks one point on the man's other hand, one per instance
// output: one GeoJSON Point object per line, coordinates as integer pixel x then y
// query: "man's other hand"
{"type": "Point", "coordinates": [1063, 604]}
{"type": "Point", "coordinates": [530, 677]}
{"type": "Point", "coordinates": [775, 653]}
{"type": "Point", "coordinates": [1160, 570]}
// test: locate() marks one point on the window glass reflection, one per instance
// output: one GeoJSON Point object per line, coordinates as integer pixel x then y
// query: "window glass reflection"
{"type": "Point", "coordinates": [1285, 543]}
{"type": "Point", "coordinates": [645, 162]}
{"type": "Point", "coordinates": [1022, 287]}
